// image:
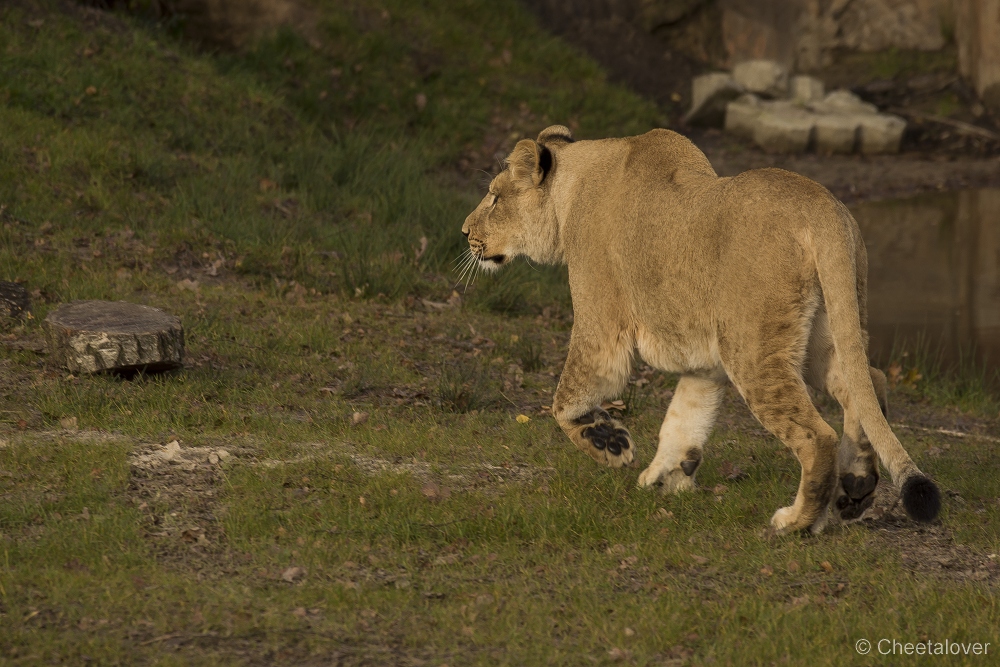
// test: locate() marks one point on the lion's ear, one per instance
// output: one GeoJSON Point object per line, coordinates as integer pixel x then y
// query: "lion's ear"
{"type": "Point", "coordinates": [530, 161]}
{"type": "Point", "coordinates": [555, 133]}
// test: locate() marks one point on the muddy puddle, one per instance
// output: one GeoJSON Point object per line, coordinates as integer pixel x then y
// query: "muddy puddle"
{"type": "Point", "coordinates": [934, 274]}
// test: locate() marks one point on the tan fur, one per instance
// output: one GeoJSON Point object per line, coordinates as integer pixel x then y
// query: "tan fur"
{"type": "Point", "coordinates": [758, 279]}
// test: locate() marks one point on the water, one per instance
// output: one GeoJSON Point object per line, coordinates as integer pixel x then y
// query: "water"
{"type": "Point", "coordinates": [934, 274]}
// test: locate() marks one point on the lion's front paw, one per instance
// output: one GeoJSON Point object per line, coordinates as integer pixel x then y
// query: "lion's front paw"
{"type": "Point", "coordinates": [855, 495]}
{"type": "Point", "coordinates": [604, 439]}
{"type": "Point", "coordinates": [672, 481]}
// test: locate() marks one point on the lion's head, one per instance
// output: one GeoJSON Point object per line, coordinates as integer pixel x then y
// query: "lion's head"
{"type": "Point", "coordinates": [517, 216]}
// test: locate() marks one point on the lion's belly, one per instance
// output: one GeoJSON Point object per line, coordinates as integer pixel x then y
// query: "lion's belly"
{"type": "Point", "coordinates": [678, 351]}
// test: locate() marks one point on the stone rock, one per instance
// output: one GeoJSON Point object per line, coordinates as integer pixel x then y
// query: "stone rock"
{"type": "Point", "coordinates": [742, 114]}
{"type": "Point", "coordinates": [784, 130]}
{"type": "Point", "coordinates": [94, 336]}
{"type": "Point", "coordinates": [806, 89]}
{"type": "Point", "coordinates": [14, 300]}
{"type": "Point", "coordinates": [836, 133]}
{"type": "Point", "coordinates": [843, 101]}
{"type": "Point", "coordinates": [766, 78]}
{"type": "Point", "coordinates": [709, 95]}
{"type": "Point", "coordinates": [881, 133]}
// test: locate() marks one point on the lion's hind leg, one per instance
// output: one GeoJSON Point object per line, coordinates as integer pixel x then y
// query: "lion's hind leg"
{"type": "Point", "coordinates": [777, 396]}
{"type": "Point", "coordinates": [857, 461]}
{"type": "Point", "coordinates": [685, 429]}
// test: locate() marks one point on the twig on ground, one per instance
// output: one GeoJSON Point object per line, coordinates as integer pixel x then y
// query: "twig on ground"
{"type": "Point", "coordinates": [967, 128]}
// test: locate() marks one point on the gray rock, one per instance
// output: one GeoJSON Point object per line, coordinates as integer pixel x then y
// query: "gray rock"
{"type": "Point", "coordinates": [881, 133]}
{"type": "Point", "coordinates": [763, 77]}
{"type": "Point", "coordinates": [784, 130]}
{"type": "Point", "coordinates": [806, 89]}
{"type": "Point", "coordinates": [14, 300]}
{"type": "Point", "coordinates": [709, 95]}
{"type": "Point", "coordinates": [95, 336]}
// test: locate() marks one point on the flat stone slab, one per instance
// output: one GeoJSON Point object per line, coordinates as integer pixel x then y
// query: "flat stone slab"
{"type": "Point", "coordinates": [97, 336]}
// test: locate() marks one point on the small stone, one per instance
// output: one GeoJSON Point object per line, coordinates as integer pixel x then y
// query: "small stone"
{"type": "Point", "coordinates": [171, 451]}
{"type": "Point", "coordinates": [793, 566]}
{"type": "Point", "coordinates": [629, 632]}
{"type": "Point", "coordinates": [767, 570]}
{"type": "Point", "coordinates": [827, 566]}
{"type": "Point", "coordinates": [69, 423]}
{"type": "Point", "coordinates": [213, 458]}
{"type": "Point", "coordinates": [293, 574]}
{"type": "Point", "coordinates": [359, 418]}
{"type": "Point", "coordinates": [523, 419]}
{"type": "Point", "coordinates": [223, 454]}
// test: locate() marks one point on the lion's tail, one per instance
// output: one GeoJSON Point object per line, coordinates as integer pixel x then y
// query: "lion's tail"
{"type": "Point", "coordinates": [836, 264]}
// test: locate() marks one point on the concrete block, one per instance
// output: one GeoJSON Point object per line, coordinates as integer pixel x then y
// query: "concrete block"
{"type": "Point", "coordinates": [881, 133]}
{"type": "Point", "coordinates": [709, 95]}
{"type": "Point", "coordinates": [763, 77]}
{"type": "Point", "coordinates": [843, 101]}
{"type": "Point", "coordinates": [806, 89]}
{"type": "Point", "coordinates": [742, 114]}
{"type": "Point", "coordinates": [836, 133]}
{"type": "Point", "coordinates": [784, 130]}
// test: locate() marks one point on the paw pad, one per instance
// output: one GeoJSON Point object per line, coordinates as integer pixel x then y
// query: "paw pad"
{"type": "Point", "coordinates": [859, 494]}
{"type": "Point", "coordinates": [606, 436]}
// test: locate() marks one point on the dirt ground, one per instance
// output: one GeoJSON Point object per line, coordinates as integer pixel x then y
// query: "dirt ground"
{"type": "Point", "coordinates": [935, 155]}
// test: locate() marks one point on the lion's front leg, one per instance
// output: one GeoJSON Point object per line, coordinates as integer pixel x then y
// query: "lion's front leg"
{"type": "Point", "coordinates": [596, 369]}
{"type": "Point", "coordinates": [686, 428]}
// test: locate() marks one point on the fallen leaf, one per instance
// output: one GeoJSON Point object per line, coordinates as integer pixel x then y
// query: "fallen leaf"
{"type": "Point", "coordinates": [188, 284]}
{"type": "Point", "coordinates": [521, 419]}
{"type": "Point", "coordinates": [701, 560]}
{"type": "Point", "coordinates": [293, 574]}
{"type": "Point", "coordinates": [827, 566]}
{"type": "Point", "coordinates": [69, 423]}
{"type": "Point", "coordinates": [793, 566]}
{"type": "Point", "coordinates": [767, 571]}
{"type": "Point", "coordinates": [619, 654]}
{"type": "Point", "coordinates": [359, 418]}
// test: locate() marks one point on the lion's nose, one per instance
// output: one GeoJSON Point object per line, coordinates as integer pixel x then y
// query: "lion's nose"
{"type": "Point", "coordinates": [465, 232]}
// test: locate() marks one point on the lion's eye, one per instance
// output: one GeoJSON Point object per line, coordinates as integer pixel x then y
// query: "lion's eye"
{"type": "Point", "coordinates": [495, 198]}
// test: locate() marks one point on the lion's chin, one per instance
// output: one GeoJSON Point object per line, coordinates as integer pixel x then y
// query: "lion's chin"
{"type": "Point", "coordinates": [493, 262]}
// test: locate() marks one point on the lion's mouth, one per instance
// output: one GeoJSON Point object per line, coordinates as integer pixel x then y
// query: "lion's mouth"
{"type": "Point", "coordinates": [496, 259]}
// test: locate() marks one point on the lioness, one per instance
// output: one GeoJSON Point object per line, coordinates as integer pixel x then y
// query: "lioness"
{"type": "Point", "coordinates": [759, 278]}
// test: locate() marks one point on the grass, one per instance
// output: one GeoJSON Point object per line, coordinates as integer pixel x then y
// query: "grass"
{"type": "Point", "coordinates": [284, 228]}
